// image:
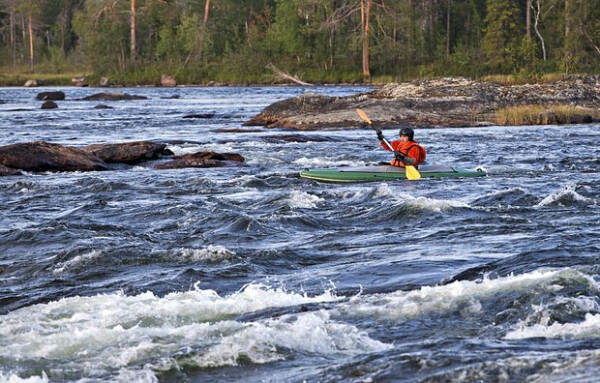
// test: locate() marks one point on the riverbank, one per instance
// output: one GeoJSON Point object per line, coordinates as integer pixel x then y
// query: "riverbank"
{"type": "Point", "coordinates": [450, 102]}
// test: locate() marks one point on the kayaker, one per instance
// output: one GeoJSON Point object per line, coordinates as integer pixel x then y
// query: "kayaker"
{"type": "Point", "coordinates": [406, 150]}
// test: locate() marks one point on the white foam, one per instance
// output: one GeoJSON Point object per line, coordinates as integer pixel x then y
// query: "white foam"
{"type": "Point", "coordinates": [435, 205]}
{"type": "Point", "coordinates": [565, 194]}
{"type": "Point", "coordinates": [589, 328]}
{"type": "Point", "coordinates": [464, 296]}
{"type": "Point", "coordinates": [309, 333]}
{"type": "Point", "coordinates": [303, 200]}
{"type": "Point", "coordinates": [128, 338]}
{"type": "Point", "coordinates": [13, 378]}
{"type": "Point", "coordinates": [77, 261]}
{"type": "Point", "coordinates": [212, 253]}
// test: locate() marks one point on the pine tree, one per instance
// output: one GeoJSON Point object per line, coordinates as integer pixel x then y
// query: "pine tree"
{"type": "Point", "coordinates": [503, 33]}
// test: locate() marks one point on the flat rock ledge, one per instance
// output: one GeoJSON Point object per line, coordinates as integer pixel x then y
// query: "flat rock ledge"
{"type": "Point", "coordinates": [113, 96]}
{"type": "Point", "coordinates": [453, 102]}
{"type": "Point", "coordinates": [42, 156]}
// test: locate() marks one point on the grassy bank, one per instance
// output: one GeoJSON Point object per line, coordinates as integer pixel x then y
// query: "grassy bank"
{"type": "Point", "coordinates": [546, 115]}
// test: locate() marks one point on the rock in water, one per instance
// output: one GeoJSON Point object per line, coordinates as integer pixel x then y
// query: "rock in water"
{"type": "Point", "coordinates": [202, 160]}
{"type": "Point", "coordinates": [167, 80]}
{"type": "Point", "coordinates": [102, 106]}
{"type": "Point", "coordinates": [113, 96]}
{"type": "Point", "coordinates": [42, 156]}
{"type": "Point", "coordinates": [128, 152]}
{"type": "Point", "coordinates": [51, 96]}
{"type": "Point", "coordinates": [6, 171]}
{"type": "Point", "coordinates": [49, 105]}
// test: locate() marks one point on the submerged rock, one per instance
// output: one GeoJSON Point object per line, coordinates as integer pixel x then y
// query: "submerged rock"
{"type": "Point", "coordinates": [52, 96]}
{"type": "Point", "coordinates": [202, 160]}
{"type": "Point", "coordinates": [128, 152]}
{"type": "Point", "coordinates": [295, 138]}
{"type": "Point", "coordinates": [49, 105]}
{"type": "Point", "coordinates": [6, 171]}
{"type": "Point", "coordinates": [102, 106]}
{"type": "Point", "coordinates": [425, 103]}
{"type": "Point", "coordinates": [41, 156]}
{"type": "Point", "coordinates": [200, 115]}
{"type": "Point", "coordinates": [113, 96]}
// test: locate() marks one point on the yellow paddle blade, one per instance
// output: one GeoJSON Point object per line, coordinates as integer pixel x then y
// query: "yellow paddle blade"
{"type": "Point", "coordinates": [412, 173]}
{"type": "Point", "coordinates": [363, 115]}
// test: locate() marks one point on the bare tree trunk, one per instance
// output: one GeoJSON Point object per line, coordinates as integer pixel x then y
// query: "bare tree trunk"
{"type": "Point", "coordinates": [31, 58]}
{"type": "Point", "coordinates": [206, 9]}
{"type": "Point", "coordinates": [528, 19]}
{"type": "Point", "coordinates": [133, 50]}
{"type": "Point", "coordinates": [365, 11]}
{"type": "Point", "coordinates": [449, 4]}
{"type": "Point", "coordinates": [535, 26]}
{"type": "Point", "coordinates": [567, 25]}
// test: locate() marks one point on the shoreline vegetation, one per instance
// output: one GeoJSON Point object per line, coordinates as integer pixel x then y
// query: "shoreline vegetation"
{"type": "Point", "coordinates": [18, 78]}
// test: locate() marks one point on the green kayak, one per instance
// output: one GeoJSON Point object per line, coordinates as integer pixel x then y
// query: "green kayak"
{"type": "Point", "coordinates": [385, 173]}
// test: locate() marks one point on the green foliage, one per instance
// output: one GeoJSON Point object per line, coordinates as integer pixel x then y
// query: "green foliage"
{"type": "Point", "coordinates": [316, 40]}
{"type": "Point", "coordinates": [503, 33]}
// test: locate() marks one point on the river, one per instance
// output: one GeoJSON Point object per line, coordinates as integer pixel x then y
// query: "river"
{"type": "Point", "coordinates": [253, 274]}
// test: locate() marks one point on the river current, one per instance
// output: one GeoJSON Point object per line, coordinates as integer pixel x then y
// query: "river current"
{"type": "Point", "coordinates": [253, 274]}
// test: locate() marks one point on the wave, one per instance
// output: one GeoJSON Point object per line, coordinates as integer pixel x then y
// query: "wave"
{"type": "Point", "coordinates": [303, 200]}
{"type": "Point", "coordinates": [566, 196]}
{"type": "Point", "coordinates": [78, 261]}
{"type": "Point", "coordinates": [110, 334]}
{"type": "Point", "coordinates": [15, 378]}
{"type": "Point", "coordinates": [588, 328]}
{"type": "Point", "coordinates": [464, 296]}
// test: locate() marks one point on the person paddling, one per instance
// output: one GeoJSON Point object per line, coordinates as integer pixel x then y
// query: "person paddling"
{"type": "Point", "coordinates": [406, 150]}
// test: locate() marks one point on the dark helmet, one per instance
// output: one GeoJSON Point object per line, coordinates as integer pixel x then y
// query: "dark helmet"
{"type": "Point", "coordinates": [408, 132]}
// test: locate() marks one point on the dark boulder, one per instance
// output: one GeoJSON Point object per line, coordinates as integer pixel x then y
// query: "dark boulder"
{"type": "Point", "coordinates": [102, 106]}
{"type": "Point", "coordinates": [42, 156]}
{"type": "Point", "coordinates": [173, 97]}
{"type": "Point", "coordinates": [128, 152]}
{"type": "Point", "coordinates": [202, 160]}
{"type": "Point", "coordinates": [49, 105]}
{"type": "Point", "coordinates": [113, 96]}
{"type": "Point", "coordinates": [51, 96]}
{"type": "Point", "coordinates": [6, 171]}
{"type": "Point", "coordinates": [200, 115]}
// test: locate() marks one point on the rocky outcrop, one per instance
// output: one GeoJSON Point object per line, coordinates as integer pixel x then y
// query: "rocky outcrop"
{"type": "Point", "coordinates": [6, 171]}
{"type": "Point", "coordinates": [167, 80]}
{"type": "Point", "coordinates": [202, 160]}
{"type": "Point", "coordinates": [79, 81]}
{"type": "Point", "coordinates": [51, 96]}
{"type": "Point", "coordinates": [42, 156]}
{"type": "Point", "coordinates": [113, 96]}
{"type": "Point", "coordinates": [128, 152]}
{"type": "Point", "coordinates": [49, 105]}
{"type": "Point", "coordinates": [426, 103]}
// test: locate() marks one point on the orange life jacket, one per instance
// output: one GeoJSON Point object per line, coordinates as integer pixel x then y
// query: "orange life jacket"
{"type": "Point", "coordinates": [411, 149]}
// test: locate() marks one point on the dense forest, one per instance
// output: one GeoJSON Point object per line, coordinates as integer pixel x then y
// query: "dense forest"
{"type": "Point", "coordinates": [244, 41]}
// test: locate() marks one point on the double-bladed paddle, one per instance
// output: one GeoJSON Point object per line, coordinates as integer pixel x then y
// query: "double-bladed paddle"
{"type": "Point", "coordinates": [411, 172]}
